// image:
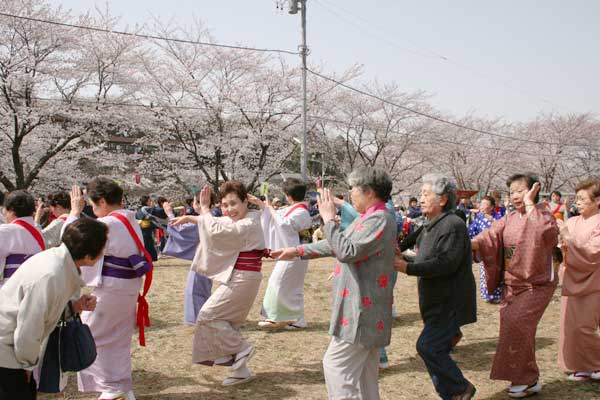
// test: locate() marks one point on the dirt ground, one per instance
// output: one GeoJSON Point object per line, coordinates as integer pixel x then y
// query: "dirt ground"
{"type": "Point", "coordinates": [288, 363]}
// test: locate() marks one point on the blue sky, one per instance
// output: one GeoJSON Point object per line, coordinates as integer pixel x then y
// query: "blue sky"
{"type": "Point", "coordinates": [508, 59]}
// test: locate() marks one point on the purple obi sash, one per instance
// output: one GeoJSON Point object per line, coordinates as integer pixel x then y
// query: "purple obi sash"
{"type": "Point", "coordinates": [132, 267]}
{"type": "Point", "coordinates": [13, 262]}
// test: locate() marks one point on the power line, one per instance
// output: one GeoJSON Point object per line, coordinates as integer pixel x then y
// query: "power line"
{"type": "Point", "coordinates": [146, 36]}
{"type": "Point", "coordinates": [326, 4]}
{"type": "Point", "coordinates": [433, 117]}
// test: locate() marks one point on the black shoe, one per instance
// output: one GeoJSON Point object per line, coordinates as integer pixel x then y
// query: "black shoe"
{"type": "Point", "coordinates": [468, 394]}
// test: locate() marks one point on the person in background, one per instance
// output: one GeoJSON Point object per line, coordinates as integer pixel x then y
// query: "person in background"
{"type": "Point", "coordinates": [557, 207]}
{"type": "Point", "coordinates": [145, 220]}
{"type": "Point", "coordinates": [283, 304]}
{"type": "Point", "coordinates": [500, 207]}
{"type": "Point", "coordinates": [414, 211]}
{"type": "Point", "coordinates": [32, 302]}
{"type": "Point", "coordinates": [483, 220]}
{"type": "Point", "coordinates": [20, 237]}
{"type": "Point", "coordinates": [579, 343]}
{"type": "Point", "coordinates": [447, 299]}
{"type": "Point", "coordinates": [188, 209]}
{"type": "Point", "coordinates": [59, 204]}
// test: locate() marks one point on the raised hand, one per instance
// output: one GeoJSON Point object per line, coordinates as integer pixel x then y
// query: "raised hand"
{"type": "Point", "coordinates": [77, 201]}
{"type": "Point", "coordinates": [256, 201]}
{"type": "Point", "coordinates": [326, 206]}
{"type": "Point", "coordinates": [204, 199]}
{"type": "Point", "coordinates": [529, 198]}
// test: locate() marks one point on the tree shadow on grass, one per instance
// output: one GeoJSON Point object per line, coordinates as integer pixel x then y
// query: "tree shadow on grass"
{"type": "Point", "coordinates": [313, 326]}
{"type": "Point", "coordinates": [406, 319]}
{"type": "Point", "coordinates": [561, 389]}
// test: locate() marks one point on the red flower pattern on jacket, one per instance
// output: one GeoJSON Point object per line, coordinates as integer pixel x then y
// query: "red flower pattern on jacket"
{"type": "Point", "coordinates": [383, 281]}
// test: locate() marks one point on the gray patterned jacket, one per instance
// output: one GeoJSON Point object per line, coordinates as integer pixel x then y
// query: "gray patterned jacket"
{"type": "Point", "coordinates": [363, 292]}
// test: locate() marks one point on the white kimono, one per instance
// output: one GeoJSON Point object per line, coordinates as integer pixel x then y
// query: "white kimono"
{"type": "Point", "coordinates": [113, 321]}
{"type": "Point", "coordinates": [53, 232]}
{"type": "Point", "coordinates": [15, 239]}
{"type": "Point", "coordinates": [284, 297]}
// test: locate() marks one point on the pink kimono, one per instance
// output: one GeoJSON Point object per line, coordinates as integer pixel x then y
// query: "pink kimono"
{"type": "Point", "coordinates": [579, 346]}
{"type": "Point", "coordinates": [519, 248]}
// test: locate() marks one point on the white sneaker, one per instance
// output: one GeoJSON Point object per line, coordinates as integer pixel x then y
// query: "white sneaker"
{"type": "Point", "coordinates": [579, 376]}
{"type": "Point", "coordinates": [384, 365]}
{"type": "Point", "coordinates": [234, 380]}
{"type": "Point", "coordinates": [269, 324]}
{"type": "Point", "coordinates": [595, 375]}
{"type": "Point", "coordinates": [521, 391]}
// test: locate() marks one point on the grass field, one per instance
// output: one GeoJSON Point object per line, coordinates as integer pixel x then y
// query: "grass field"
{"type": "Point", "coordinates": [287, 364]}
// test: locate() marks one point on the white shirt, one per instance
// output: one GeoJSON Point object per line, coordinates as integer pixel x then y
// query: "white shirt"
{"type": "Point", "coordinates": [281, 227]}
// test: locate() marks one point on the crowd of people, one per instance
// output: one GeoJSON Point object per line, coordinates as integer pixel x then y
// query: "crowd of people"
{"type": "Point", "coordinates": [524, 248]}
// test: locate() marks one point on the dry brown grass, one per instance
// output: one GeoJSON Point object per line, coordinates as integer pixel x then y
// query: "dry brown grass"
{"type": "Point", "coordinates": [288, 364]}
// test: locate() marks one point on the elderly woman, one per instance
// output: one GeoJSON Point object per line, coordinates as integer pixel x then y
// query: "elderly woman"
{"type": "Point", "coordinates": [518, 249]}
{"type": "Point", "coordinates": [361, 319]}
{"type": "Point", "coordinates": [482, 221]}
{"type": "Point", "coordinates": [443, 265]}
{"type": "Point", "coordinates": [579, 349]}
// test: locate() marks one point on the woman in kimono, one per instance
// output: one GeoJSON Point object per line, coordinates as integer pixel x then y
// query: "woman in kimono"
{"type": "Point", "coordinates": [519, 249]}
{"type": "Point", "coordinates": [283, 305]}
{"type": "Point", "coordinates": [20, 237]}
{"type": "Point", "coordinates": [361, 318]}
{"type": "Point", "coordinates": [116, 280]}
{"type": "Point", "coordinates": [480, 223]}
{"type": "Point", "coordinates": [230, 252]}
{"type": "Point", "coordinates": [579, 348]}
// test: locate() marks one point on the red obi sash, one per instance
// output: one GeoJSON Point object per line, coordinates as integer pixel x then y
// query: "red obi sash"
{"type": "Point", "coordinates": [250, 260]}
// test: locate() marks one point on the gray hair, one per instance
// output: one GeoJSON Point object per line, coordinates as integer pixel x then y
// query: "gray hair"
{"type": "Point", "coordinates": [442, 186]}
{"type": "Point", "coordinates": [372, 178]}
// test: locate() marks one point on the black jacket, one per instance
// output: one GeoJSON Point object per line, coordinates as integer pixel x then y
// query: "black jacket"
{"type": "Point", "coordinates": [444, 267]}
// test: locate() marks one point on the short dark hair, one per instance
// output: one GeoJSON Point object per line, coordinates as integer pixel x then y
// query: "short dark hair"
{"type": "Point", "coordinates": [2, 198]}
{"type": "Point", "coordinates": [189, 201]}
{"type": "Point", "coordinates": [85, 237]}
{"type": "Point", "coordinates": [412, 199]}
{"type": "Point", "coordinates": [21, 202]}
{"type": "Point", "coordinates": [144, 200]}
{"type": "Point", "coordinates": [490, 199]}
{"type": "Point", "coordinates": [161, 200]}
{"type": "Point", "coordinates": [529, 178]}
{"type": "Point", "coordinates": [559, 194]}
{"type": "Point", "coordinates": [62, 199]}
{"type": "Point", "coordinates": [236, 187]}
{"type": "Point", "coordinates": [104, 188]}
{"type": "Point", "coordinates": [294, 188]}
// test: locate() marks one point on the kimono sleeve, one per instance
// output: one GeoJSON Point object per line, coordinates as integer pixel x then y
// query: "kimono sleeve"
{"type": "Point", "coordinates": [491, 252]}
{"type": "Point", "coordinates": [584, 255]}
{"type": "Point", "coordinates": [360, 241]}
{"type": "Point", "coordinates": [541, 225]}
{"type": "Point", "coordinates": [348, 215]}
{"type": "Point", "coordinates": [224, 230]}
{"type": "Point", "coordinates": [3, 250]}
{"type": "Point", "coordinates": [315, 250]}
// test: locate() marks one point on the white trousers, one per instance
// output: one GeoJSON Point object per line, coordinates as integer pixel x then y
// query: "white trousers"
{"type": "Point", "coordinates": [351, 371]}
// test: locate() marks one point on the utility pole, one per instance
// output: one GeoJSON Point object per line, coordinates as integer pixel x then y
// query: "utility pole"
{"type": "Point", "coordinates": [293, 9]}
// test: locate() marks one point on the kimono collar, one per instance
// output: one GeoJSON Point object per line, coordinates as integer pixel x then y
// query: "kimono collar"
{"type": "Point", "coordinates": [379, 206]}
{"type": "Point", "coordinates": [430, 224]}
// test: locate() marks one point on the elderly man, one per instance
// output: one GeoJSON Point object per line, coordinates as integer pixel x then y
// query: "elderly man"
{"type": "Point", "coordinates": [32, 301]}
{"type": "Point", "coordinates": [446, 285]}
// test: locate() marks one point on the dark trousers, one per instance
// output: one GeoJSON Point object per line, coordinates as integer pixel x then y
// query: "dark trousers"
{"type": "Point", "coordinates": [14, 385]}
{"type": "Point", "coordinates": [434, 347]}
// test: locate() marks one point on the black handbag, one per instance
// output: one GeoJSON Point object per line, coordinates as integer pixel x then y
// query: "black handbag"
{"type": "Point", "coordinates": [77, 346]}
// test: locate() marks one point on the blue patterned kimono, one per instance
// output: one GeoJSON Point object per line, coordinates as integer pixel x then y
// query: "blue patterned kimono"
{"type": "Point", "coordinates": [479, 224]}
